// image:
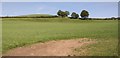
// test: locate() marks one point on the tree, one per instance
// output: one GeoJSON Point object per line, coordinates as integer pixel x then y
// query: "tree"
{"type": "Point", "coordinates": [113, 18]}
{"type": "Point", "coordinates": [74, 15]}
{"type": "Point", "coordinates": [84, 14]}
{"type": "Point", "coordinates": [59, 13]}
{"type": "Point", "coordinates": [67, 13]}
{"type": "Point", "coordinates": [77, 16]}
{"type": "Point", "coordinates": [63, 14]}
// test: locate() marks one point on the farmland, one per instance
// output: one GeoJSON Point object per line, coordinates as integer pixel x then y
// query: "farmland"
{"type": "Point", "coordinates": [26, 31]}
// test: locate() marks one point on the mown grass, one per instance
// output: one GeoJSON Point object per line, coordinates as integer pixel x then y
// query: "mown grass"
{"type": "Point", "coordinates": [23, 31]}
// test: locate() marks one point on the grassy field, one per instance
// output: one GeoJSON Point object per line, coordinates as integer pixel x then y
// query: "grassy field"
{"type": "Point", "coordinates": [0, 37]}
{"type": "Point", "coordinates": [24, 31]}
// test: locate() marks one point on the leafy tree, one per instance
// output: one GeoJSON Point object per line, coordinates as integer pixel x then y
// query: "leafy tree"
{"type": "Point", "coordinates": [59, 13]}
{"type": "Point", "coordinates": [74, 15]}
{"type": "Point", "coordinates": [63, 14]}
{"type": "Point", "coordinates": [113, 18]}
{"type": "Point", "coordinates": [84, 14]}
{"type": "Point", "coordinates": [67, 13]}
{"type": "Point", "coordinates": [77, 16]}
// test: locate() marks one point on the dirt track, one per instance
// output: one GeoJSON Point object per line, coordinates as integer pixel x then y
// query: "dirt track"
{"type": "Point", "coordinates": [51, 48]}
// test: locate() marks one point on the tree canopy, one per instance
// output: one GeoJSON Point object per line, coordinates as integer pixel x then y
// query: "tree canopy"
{"type": "Point", "coordinates": [63, 13]}
{"type": "Point", "coordinates": [84, 14]}
{"type": "Point", "coordinates": [74, 15]}
{"type": "Point", "coordinates": [67, 13]}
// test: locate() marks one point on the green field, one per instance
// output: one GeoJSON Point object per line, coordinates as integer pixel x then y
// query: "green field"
{"type": "Point", "coordinates": [25, 31]}
{"type": "Point", "coordinates": [0, 37]}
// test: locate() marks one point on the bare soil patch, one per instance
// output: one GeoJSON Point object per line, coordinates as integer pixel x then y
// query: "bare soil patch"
{"type": "Point", "coordinates": [50, 48]}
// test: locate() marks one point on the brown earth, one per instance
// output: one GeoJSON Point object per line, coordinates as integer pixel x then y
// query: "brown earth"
{"type": "Point", "coordinates": [50, 48]}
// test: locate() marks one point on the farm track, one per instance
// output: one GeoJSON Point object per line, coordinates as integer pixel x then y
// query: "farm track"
{"type": "Point", "coordinates": [51, 48]}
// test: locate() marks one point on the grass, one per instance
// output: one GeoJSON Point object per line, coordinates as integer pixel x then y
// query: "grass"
{"type": "Point", "coordinates": [25, 31]}
{"type": "Point", "coordinates": [0, 37]}
{"type": "Point", "coordinates": [101, 48]}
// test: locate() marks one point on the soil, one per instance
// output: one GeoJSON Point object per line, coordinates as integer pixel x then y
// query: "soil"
{"type": "Point", "coordinates": [50, 48]}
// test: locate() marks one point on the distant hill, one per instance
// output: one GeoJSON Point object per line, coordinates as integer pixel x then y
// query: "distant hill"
{"type": "Point", "coordinates": [36, 15]}
{"type": "Point", "coordinates": [33, 16]}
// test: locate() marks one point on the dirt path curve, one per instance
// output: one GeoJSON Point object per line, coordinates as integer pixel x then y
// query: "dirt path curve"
{"type": "Point", "coordinates": [51, 48]}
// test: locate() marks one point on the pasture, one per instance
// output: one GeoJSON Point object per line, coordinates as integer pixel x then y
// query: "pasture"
{"type": "Point", "coordinates": [26, 31]}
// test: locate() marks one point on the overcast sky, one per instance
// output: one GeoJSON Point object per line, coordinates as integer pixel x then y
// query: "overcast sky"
{"type": "Point", "coordinates": [96, 9]}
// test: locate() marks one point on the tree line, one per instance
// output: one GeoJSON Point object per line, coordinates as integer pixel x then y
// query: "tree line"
{"type": "Point", "coordinates": [83, 14]}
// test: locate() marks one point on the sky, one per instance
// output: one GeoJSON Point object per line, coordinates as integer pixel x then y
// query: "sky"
{"type": "Point", "coordinates": [59, 0]}
{"type": "Point", "coordinates": [95, 9]}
